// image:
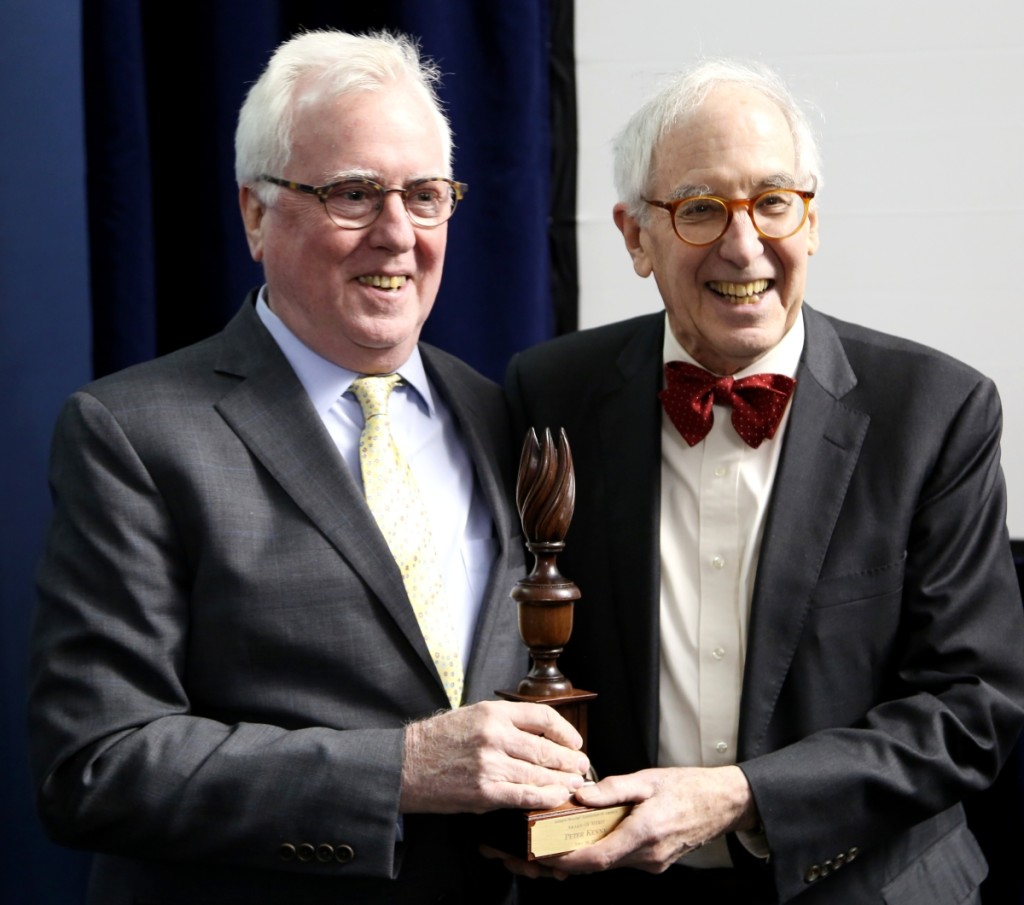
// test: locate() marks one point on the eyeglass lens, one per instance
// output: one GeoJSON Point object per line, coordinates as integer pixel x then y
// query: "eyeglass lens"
{"type": "Point", "coordinates": [776, 214]}
{"type": "Point", "coordinates": [358, 203]}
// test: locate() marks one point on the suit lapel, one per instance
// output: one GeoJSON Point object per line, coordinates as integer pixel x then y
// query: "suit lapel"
{"type": "Point", "coordinates": [272, 415]}
{"type": "Point", "coordinates": [632, 481]}
{"type": "Point", "coordinates": [822, 444]}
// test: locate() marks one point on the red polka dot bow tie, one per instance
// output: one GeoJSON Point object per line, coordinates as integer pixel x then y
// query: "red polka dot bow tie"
{"type": "Point", "coordinates": [758, 402]}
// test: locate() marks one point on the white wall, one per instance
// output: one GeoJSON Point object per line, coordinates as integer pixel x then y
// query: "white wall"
{"type": "Point", "coordinates": [917, 99]}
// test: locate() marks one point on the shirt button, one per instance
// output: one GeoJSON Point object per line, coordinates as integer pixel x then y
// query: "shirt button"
{"type": "Point", "coordinates": [721, 471]}
{"type": "Point", "coordinates": [718, 653]}
{"type": "Point", "coordinates": [721, 747]}
{"type": "Point", "coordinates": [718, 562]}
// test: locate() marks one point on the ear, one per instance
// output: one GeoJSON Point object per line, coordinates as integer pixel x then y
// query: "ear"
{"type": "Point", "coordinates": [812, 234]}
{"type": "Point", "coordinates": [634, 237]}
{"type": "Point", "coordinates": [253, 211]}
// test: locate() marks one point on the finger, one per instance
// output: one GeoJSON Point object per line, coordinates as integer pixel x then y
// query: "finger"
{"type": "Point", "coordinates": [614, 850]}
{"type": "Point", "coordinates": [532, 797]}
{"type": "Point", "coordinates": [508, 753]}
{"type": "Point", "coordinates": [530, 732]}
{"type": "Point", "coordinates": [628, 845]}
{"type": "Point", "coordinates": [544, 753]}
{"type": "Point", "coordinates": [545, 738]}
{"type": "Point", "coordinates": [515, 761]}
{"type": "Point", "coordinates": [539, 719]}
{"type": "Point", "coordinates": [615, 790]}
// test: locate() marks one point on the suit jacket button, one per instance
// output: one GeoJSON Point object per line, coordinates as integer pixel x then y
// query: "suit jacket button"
{"type": "Point", "coordinates": [324, 852]}
{"type": "Point", "coordinates": [852, 853]}
{"type": "Point", "coordinates": [286, 852]}
{"type": "Point", "coordinates": [306, 852]}
{"type": "Point", "coordinates": [343, 853]}
{"type": "Point", "coordinates": [839, 860]}
{"type": "Point", "coordinates": [813, 873]}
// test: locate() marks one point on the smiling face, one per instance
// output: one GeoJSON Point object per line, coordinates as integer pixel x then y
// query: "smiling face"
{"type": "Point", "coordinates": [729, 302]}
{"type": "Point", "coordinates": [358, 297]}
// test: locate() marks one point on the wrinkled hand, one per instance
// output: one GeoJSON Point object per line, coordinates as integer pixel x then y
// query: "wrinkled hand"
{"type": "Point", "coordinates": [676, 810]}
{"type": "Point", "coordinates": [495, 754]}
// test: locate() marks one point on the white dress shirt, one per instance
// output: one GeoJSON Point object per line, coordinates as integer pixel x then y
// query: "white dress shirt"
{"type": "Point", "coordinates": [425, 433]}
{"type": "Point", "coordinates": [714, 497]}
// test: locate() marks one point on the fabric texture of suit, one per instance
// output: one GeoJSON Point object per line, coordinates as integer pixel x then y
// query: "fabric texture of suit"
{"type": "Point", "coordinates": [884, 676]}
{"type": "Point", "coordinates": [225, 655]}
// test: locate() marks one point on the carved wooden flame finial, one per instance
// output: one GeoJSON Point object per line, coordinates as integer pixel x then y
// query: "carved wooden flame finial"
{"type": "Point", "coordinates": [546, 488]}
{"type": "Point", "coordinates": [545, 497]}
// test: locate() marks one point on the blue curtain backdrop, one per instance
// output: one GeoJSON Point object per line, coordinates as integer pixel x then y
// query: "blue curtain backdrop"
{"type": "Point", "coordinates": [120, 237]}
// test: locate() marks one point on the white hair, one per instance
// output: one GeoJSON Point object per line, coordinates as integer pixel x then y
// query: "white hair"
{"type": "Point", "coordinates": [678, 99]}
{"type": "Point", "coordinates": [315, 65]}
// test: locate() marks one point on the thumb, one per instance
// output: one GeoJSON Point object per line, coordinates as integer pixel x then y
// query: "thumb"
{"type": "Point", "coordinates": [627, 789]}
{"type": "Point", "coordinates": [598, 794]}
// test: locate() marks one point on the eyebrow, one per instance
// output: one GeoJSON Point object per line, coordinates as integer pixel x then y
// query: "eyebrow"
{"type": "Point", "coordinates": [689, 191]}
{"type": "Point", "coordinates": [343, 175]}
{"type": "Point", "coordinates": [779, 181]}
{"type": "Point", "coordinates": [373, 176]}
{"type": "Point", "coordinates": [774, 181]}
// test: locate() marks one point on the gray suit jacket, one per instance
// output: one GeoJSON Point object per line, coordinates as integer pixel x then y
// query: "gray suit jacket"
{"type": "Point", "coordinates": [884, 678]}
{"type": "Point", "coordinates": [225, 655]}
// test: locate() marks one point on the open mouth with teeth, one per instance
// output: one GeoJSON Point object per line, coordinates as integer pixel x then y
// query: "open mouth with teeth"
{"type": "Point", "coordinates": [740, 291]}
{"type": "Point", "coordinates": [379, 281]}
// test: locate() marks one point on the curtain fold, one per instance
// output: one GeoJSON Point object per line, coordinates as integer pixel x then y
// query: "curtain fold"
{"type": "Point", "coordinates": [118, 190]}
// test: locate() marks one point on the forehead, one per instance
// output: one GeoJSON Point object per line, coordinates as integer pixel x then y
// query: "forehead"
{"type": "Point", "coordinates": [391, 133]}
{"type": "Point", "coordinates": [737, 140]}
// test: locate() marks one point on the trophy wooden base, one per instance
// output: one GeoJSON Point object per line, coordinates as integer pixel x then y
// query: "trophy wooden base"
{"type": "Point", "coordinates": [532, 835]}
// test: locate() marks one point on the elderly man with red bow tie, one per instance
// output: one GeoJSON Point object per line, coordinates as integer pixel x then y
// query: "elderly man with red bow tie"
{"type": "Point", "coordinates": [799, 607]}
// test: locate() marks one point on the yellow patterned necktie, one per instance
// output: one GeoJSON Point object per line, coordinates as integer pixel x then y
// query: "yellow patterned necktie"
{"type": "Point", "coordinates": [395, 501]}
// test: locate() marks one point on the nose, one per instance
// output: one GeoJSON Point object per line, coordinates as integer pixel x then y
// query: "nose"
{"type": "Point", "coordinates": [393, 229]}
{"type": "Point", "coordinates": [741, 243]}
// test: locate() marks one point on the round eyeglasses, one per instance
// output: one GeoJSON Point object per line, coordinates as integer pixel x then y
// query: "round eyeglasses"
{"type": "Point", "coordinates": [703, 219]}
{"type": "Point", "coordinates": [355, 202]}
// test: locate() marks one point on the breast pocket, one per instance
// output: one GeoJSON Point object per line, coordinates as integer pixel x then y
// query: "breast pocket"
{"type": "Point", "coordinates": [860, 585]}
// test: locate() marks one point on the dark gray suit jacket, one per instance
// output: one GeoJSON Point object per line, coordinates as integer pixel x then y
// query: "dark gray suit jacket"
{"type": "Point", "coordinates": [225, 655]}
{"type": "Point", "coordinates": [884, 678]}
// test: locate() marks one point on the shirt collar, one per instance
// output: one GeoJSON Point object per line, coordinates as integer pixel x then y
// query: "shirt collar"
{"type": "Point", "coordinates": [324, 381]}
{"type": "Point", "coordinates": [784, 358]}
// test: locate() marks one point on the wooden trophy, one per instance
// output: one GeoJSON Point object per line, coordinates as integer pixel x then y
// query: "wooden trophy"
{"type": "Point", "coordinates": [545, 497]}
